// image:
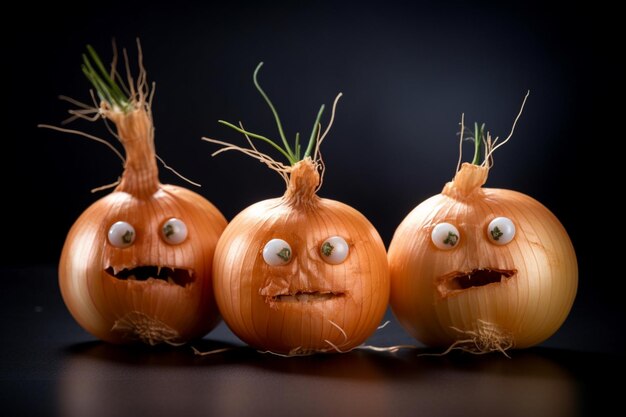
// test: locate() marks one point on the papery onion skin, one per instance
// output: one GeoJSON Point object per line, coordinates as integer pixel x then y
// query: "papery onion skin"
{"type": "Point", "coordinates": [351, 296]}
{"type": "Point", "coordinates": [522, 310]}
{"type": "Point", "coordinates": [121, 308]}
{"type": "Point", "coordinates": [157, 311]}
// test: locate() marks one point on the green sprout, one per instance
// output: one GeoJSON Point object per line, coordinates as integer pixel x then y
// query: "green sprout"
{"type": "Point", "coordinates": [479, 138]}
{"type": "Point", "coordinates": [105, 83]}
{"type": "Point", "coordinates": [294, 154]}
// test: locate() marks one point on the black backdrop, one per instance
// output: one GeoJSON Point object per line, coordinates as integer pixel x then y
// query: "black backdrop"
{"type": "Point", "coordinates": [407, 72]}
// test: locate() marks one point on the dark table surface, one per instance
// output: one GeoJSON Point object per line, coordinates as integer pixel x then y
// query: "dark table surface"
{"type": "Point", "coordinates": [49, 366]}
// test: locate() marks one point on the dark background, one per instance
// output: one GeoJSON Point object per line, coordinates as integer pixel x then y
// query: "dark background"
{"type": "Point", "coordinates": [407, 71]}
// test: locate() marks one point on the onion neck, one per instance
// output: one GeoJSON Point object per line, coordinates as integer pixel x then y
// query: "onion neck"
{"type": "Point", "coordinates": [303, 182]}
{"type": "Point", "coordinates": [467, 182]}
{"type": "Point", "coordinates": [136, 132]}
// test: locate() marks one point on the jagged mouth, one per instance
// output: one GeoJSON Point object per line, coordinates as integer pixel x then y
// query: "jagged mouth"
{"type": "Point", "coordinates": [307, 296]}
{"type": "Point", "coordinates": [456, 282]}
{"type": "Point", "coordinates": [175, 276]}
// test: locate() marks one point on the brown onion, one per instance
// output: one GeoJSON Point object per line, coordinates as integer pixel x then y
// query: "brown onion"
{"type": "Point", "coordinates": [481, 269]}
{"type": "Point", "coordinates": [300, 274]}
{"type": "Point", "coordinates": [137, 264]}
{"type": "Point", "coordinates": [309, 304]}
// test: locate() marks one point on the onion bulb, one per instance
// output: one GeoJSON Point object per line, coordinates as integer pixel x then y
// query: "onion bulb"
{"type": "Point", "coordinates": [136, 265]}
{"type": "Point", "coordinates": [481, 269]}
{"type": "Point", "coordinates": [299, 274]}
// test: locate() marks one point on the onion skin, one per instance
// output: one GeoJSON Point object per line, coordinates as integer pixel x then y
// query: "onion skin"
{"type": "Point", "coordinates": [152, 311]}
{"type": "Point", "coordinates": [519, 311]}
{"type": "Point", "coordinates": [352, 295]}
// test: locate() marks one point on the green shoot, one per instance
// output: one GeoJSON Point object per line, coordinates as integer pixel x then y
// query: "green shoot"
{"type": "Point", "coordinates": [105, 84]}
{"type": "Point", "coordinates": [482, 139]}
{"type": "Point", "coordinates": [314, 132]}
{"type": "Point", "coordinates": [297, 147]}
{"type": "Point", "coordinates": [263, 138]}
{"type": "Point", "coordinates": [479, 137]}
{"type": "Point", "coordinates": [293, 155]}
{"type": "Point", "coordinates": [272, 108]}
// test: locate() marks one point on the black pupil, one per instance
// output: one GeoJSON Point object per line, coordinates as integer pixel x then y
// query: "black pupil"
{"type": "Point", "coordinates": [127, 237]}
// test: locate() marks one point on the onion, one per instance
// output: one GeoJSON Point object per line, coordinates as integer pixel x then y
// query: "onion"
{"type": "Point", "coordinates": [481, 269]}
{"type": "Point", "coordinates": [137, 264]}
{"type": "Point", "coordinates": [300, 274]}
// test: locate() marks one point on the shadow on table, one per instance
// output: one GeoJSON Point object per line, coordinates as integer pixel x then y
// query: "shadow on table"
{"type": "Point", "coordinates": [405, 364]}
{"type": "Point", "coordinates": [237, 380]}
{"type": "Point", "coordinates": [142, 355]}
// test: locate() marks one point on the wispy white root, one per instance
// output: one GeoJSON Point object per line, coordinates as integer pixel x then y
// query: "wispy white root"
{"type": "Point", "coordinates": [86, 135]}
{"type": "Point", "coordinates": [106, 187]}
{"type": "Point", "coordinates": [278, 167]}
{"type": "Point", "coordinates": [139, 326]}
{"type": "Point", "coordinates": [490, 145]}
{"type": "Point", "coordinates": [487, 338]}
{"type": "Point", "coordinates": [211, 352]}
{"type": "Point", "coordinates": [178, 174]}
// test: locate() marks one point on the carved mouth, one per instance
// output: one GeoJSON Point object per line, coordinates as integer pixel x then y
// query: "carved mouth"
{"type": "Point", "coordinates": [456, 282]}
{"type": "Point", "coordinates": [307, 296]}
{"type": "Point", "coordinates": [176, 276]}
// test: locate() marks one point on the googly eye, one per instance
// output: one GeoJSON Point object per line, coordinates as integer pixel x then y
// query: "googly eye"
{"type": "Point", "coordinates": [174, 231]}
{"type": "Point", "coordinates": [334, 250]}
{"type": "Point", "coordinates": [121, 234]}
{"type": "Point", "coordinates": [501, 230]}
{"type": "Point", "coordinates": [277, 252]}
{"type": "Point", "coordinates": [445, 236]}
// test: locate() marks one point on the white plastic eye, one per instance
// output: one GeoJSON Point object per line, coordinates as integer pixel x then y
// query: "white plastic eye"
{"type": "Point", "coordinates": [174, 231]}
{"type": "Point", "coordinates": [277, 252]}
{"type": "Point", "coordinates": [121, 234]}
{"type": "Point", "coordinates": [334, 250]}
{"type": "Point", "coordinates": [501, 230]}
{"type": "Point", "coordinates": [445, 236]}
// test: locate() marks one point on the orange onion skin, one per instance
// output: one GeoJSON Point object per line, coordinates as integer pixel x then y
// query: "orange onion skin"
{"type": "Point", "coordinates": [152, 311]}
{"type": "Point", "coordinates": [247, 289]}
{"type": "Point", "coordinates": [121, 311]}
{"type": "Point", "coordinates": [526, 308]}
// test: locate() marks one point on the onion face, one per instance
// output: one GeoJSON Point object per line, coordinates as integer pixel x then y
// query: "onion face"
{"type": "Point", "coordinates": [136, 265]}
{"type": "Point", "coordinates": [500, 295]}
{"type": "Point", "coordinates": [308, 304]}
{"type": "Point", "coordinates": [151, 291]}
